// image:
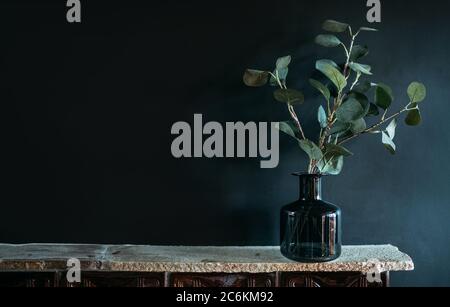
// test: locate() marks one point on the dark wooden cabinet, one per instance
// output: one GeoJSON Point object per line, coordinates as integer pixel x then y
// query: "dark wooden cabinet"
{"type": "Point", "coordinates": [116, 279]}
{"type": "Point", "coordinates": [190, 280]}
{"type": "Point", "coordinates": [325, 280]}
{"type": "Point", "coordinates": [223, 280]}
{"type": "Point", "coordinates": [28, 280]}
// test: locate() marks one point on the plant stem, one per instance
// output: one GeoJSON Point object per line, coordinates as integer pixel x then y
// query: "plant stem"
{"type": "Point", "coordinates": [290, 107]}
{"type": "Point", "coordinates": [371, 129]}
{"type": "Point", "coordinates": [349, 53]}
{"type": "Point", "coordinates": [346, 50]}
{"type": "Point", "coordinates": [296, 120]}
{"type": "Point", "coordinates": [358, 75]}
{"type": "Point", "coordinates": [338, 100]}
{"type": "Point", "coordinates": [331, 122]}
{"type": "Point", "coordinates": [276, 78]}
{"type": "Point", "coordinates": [327, 163]}
{"type": "Point", "coordinates": [384, 114]}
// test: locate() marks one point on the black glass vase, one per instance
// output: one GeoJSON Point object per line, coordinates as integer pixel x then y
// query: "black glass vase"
{"type": "Point", "coordinates": [311, 227]}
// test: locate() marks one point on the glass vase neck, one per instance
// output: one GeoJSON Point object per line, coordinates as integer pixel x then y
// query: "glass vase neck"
{"type": "Point", "coordinates": [310, 186]}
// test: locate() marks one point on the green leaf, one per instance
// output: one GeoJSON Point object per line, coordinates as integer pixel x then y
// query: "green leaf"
{"type": "Point", "coordinates": [289, 128]}
{"type": "Point", "coordinates": [255, 78]}
{"type": "Point", "coordinates": [414, 118]}
{"type": "Point", "coordinates": [321, 88]}
{"type": "Point", "coordinates": [368, 29]}
{"type": "Point", "coordinates": [373, 110]}
{"type": "Point", "coordinates": [282, 75]}
{"type": "Point", "coordinates": [332, 73]}
{"type": "Point", "coordinates": [383, 96]}
{"type": "Point", "coordinates": [339, 128]}
{"type": "Point", "coordinates": [388, 143]}
{"type": "Point", "coordinates": [362, 99]}
{"type": "Point", "coordinates": [281, 69]}
{"type": "Point", "coordinates": [332, 165]}
{"type": "Point", "coordinates": [417, 92]}
{"type": "Point", "coordinates": [283, 62]}
{"type": "Point", "coordinates": [322, 117]}
{"type": "Point", "coordinates": [362, 87]}
{"type": "Point", "coordinates": [361, 68]}
{"type": "Point", "coordinates": [334, 26]}
{"type": "Point", "coordinates": [331, 62]}
{"type": "Point", "coordinates": [390, 130]}
{"type": "Point", "coordinates": [333, 90]}
{"type": "Point", "coordinates": [327, 40]}
{"type": "Point", "coordinates": [350, 110]}
{"type": "Point", "coordinates": [358, 52]}
{"type": "Point", "coordinates": [289, 96]}
{"type": "Point", "coordinates": [336, 150]}
{"type": "Point", "coordinates": [358, 126]}
{"type": "Point", "coordinates": [312, 150]}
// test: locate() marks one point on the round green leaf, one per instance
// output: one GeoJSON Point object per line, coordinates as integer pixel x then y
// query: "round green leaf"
{"type": "Point", "coordinates": [289, 128]}
{"type": "Point", "coordinates": [321, 88]}
{"type": "Point", "coordinates": [322, 117]}
{"type": "Point", "coordinates": [336, 150]}
{"type": "Point", "coordinates": [339, 128]}
{"type": "Point", "coordinates": [283, 62]}
{"type": "Point", "coordinates": [358, 126]}
{"type": "Point", "coordinates": [255, 78]}
{"type": "Point", "coordinates": [390, 130]}
{"type": "Point", "coordinates": [417, 92]}
{"type": "Point", "coordinates": [362, 87]}
{"type": "Point", "coordinates": [350, 110]}
{"type": "Point", "coordinates": [383, 96]}
{"type": "Point", "coordinates": [332, 73]}
{"type": "Point", "coordinates": [331, 62]}
{"type": "Point", "coordinates": [332, 165]}
{"type": "Point", "coordinates": [414, 118]}
{"type": "Point", "coordinates": [362, 99]}
{"type": "Point", "coordinates": [312, 150]}
{"type": "Point", "coordinates": [289, 96]}
{"type": "Point", "coordinates": [358, 52]}
{"type": "Point", "coordinates": [373, 110]}
{"type": "Point", "coordinates": [388, 143]}
{"type": "Point", "coordinates": [334, 26]}
{"type": "Point", "coordinates": [282, 75]}
{"type": "Point", "coordinates": [361, 68]}
{"type": "Point", "coordinates": [327, 40]}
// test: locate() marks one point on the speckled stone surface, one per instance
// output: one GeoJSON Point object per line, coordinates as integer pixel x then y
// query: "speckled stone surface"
{"type": "Point", "coordinates": [132, 258]}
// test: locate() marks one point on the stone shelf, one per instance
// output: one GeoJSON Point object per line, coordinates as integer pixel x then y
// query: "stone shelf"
{"type": "Point", "coordinates": [182, 259]}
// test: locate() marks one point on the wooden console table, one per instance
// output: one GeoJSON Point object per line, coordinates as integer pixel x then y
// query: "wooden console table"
{"type": "Point", "coordinates": [45, 265]}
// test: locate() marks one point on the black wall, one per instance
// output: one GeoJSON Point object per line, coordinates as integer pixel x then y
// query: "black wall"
{"type": "Point", "coordinates": [87, 108]}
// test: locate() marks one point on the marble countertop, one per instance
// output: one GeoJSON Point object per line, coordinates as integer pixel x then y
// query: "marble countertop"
{"type": "Point", "coordinates": [134, 258]}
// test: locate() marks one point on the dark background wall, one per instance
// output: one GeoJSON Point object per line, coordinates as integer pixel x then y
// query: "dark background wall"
{"type": "Point", "coordinates": [87, 108]}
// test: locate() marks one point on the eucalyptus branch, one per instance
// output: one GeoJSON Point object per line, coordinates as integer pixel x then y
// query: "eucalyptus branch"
{"type": "Point", "coordinates": [328, 107]}
{"type": "Point", "coordinates": [384, 114]}
{"type": "Point", "coordinates": [347, 54]}
{"type": "Point", "coordinates": [328, 115]}
{"type": "Point", "coordinates": [358, 75]}
{"type": "Point", "coordinates": [277, 79]}
{"type": "Point", "coordinates": [347, 62]}
{"type": "Point", "coordinates": [383, 121]}
{"type": "Point", "coordinates": [327, 163]}
{"type": "Point", "coordinates": [296, 120]}
{"type": "Point", "coordinates": [331, 122]}
{"type": "Point", "coordinates": [290, 107]}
